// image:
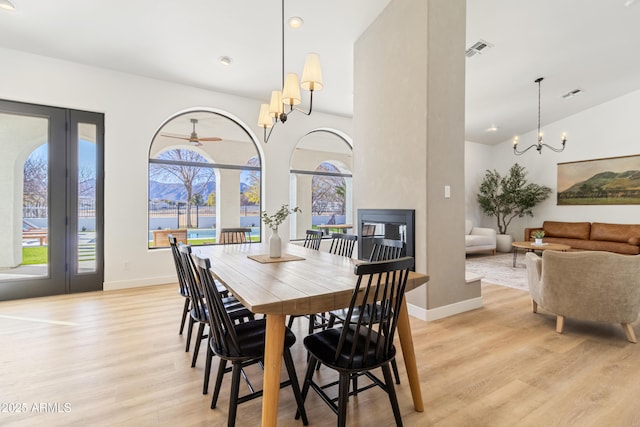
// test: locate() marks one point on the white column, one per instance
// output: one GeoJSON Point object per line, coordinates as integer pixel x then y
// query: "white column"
{"type": "Point", "coordinates": [303, 200]}
{"type": "Point", "coordinates": [349, 217]}
{"type": "Point", "coordinates": [227, 199]}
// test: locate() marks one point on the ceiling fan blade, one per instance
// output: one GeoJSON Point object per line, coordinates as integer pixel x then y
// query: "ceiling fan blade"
{"type": "Point", "coordinates": [213, 138]}
{"type": "Point", "coordinates": [177, 137]}
{"type": "Point", "coordinates": [193, 138]}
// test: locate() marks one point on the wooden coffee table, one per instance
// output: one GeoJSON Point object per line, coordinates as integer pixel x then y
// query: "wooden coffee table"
{"type": "Point", "coordinates": [531, 247]}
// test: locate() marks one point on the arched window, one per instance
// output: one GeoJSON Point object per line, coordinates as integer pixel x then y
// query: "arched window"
{"type": "Point", "coordinates": [204, 175]}
{"type": "Point", "coordinates": [328, 194]}
{"type": "Point", "coordinates": [321, 182]}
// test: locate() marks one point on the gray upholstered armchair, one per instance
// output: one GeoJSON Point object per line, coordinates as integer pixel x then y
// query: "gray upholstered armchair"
{"type": "Point", "coordinates": [598, 286]}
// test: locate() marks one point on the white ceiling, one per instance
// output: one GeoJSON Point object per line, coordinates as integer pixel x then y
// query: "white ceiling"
{"type": "Point", "coordinates": [588, 44]}
{"type": "Point", "coordinates": [593, 45]}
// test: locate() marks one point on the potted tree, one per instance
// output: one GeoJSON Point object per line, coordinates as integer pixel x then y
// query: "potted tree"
{"type": "Point", "coordinates": [508, 197]}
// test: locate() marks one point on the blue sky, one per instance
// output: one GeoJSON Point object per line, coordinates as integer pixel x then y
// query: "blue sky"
{"type": "Point", "coordinates": [86, 154]}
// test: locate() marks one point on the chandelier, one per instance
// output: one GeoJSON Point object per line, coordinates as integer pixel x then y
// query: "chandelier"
{"type": "Point", "coordinates": [7, 5]}
{"type": "Point", "coordinates": [289, 96]}
{"type": "Point", "coordinates": [540, 143]}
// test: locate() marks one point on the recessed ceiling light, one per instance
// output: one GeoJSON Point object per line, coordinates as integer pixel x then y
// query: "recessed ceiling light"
{"type": "Point", "coordinates": [492, 128]}
{"type": "Point", "coordinates": [225, 60]}
{"type": "Point", "coordinates": [295, 22]}
{"type": "Point", "coordinates": [6, 5]}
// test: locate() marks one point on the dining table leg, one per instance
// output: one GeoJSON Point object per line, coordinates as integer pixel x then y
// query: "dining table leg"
{"type": "Point", "coordinates": [409, 354]}
{"type": "Point", "coordinates": [274, 345]}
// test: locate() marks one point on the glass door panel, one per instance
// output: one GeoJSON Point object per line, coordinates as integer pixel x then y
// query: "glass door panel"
{"type": "Point", "coordinates": [85, 201]}
{"type": "Point", "coordinates": [32, 188]}
{"type": "Point", "coordinates": [24, 188]}
{"type": "Point", "coordinates": [26, 254]}
{"type": "Point", "coordinates": [85, 255]}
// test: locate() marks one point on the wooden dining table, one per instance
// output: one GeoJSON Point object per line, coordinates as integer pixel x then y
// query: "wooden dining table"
{"type": "Point", "coordinates": [303, 281]}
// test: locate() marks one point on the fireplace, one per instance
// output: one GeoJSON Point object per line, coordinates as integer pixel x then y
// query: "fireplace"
{"type": "Point", "coordinates": [396, 224]}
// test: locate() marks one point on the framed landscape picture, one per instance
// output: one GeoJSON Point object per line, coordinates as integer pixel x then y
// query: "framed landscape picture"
{"type": "Point", "coordinates": [610, 181]}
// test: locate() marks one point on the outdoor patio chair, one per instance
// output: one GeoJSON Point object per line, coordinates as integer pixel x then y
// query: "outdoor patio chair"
{"type": "Point", "coordinates": [234, 235]}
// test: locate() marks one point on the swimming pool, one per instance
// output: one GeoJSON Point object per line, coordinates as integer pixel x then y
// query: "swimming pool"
{"type": "Point", "coordinates": [209, 233]}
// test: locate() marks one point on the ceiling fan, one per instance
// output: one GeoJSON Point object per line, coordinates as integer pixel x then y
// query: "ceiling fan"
{"type": "Point", "coordinates": [193, 138]}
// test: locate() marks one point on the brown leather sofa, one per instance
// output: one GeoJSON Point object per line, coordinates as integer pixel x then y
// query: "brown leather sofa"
{"type": "Point", "coordinates": [597, 236]}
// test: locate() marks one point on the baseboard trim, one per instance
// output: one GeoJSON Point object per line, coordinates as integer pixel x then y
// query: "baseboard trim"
{"type": "Point", "coordinates": [444, 311]}
{"type": "Point", "coordinates": [138, 283]}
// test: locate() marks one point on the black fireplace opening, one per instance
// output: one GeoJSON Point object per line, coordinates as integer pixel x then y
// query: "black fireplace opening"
{"type": "Point", "coordinates": [396, 224]}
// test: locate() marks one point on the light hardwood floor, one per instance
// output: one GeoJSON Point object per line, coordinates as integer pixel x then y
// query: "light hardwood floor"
{"type": "Point", "coordinates": [115, 359]}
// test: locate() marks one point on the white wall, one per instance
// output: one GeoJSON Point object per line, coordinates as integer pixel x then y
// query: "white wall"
{"type": "Point", "coordinates": [477, 157]}
{"type": "Point", "coordinates": [134, 108]}
{"type": "Point", "coordinates": [607, 130]}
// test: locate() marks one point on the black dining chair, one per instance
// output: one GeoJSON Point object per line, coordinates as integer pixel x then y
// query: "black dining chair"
{"type": "Point", "coordinates": [173, 242]}
{"type": "Point", "coordinates": [343, 244]}
{"type": "Point", "coordinates": [182, 286]}
{"type": "Point", "coordinates": [382, 250]}
{"type": "Point", "coordinates": [362, 343]}
{"type": "Point", "coordinates": [242, 345]}
{"type": "Point", "coordinates": [386, 249]}
{"type": "Point", "coordinates": [199, 312]}
{"type": "Point", "coordinates": [234, 235]}
{"type": "Point", "coordinates": [312, 239]}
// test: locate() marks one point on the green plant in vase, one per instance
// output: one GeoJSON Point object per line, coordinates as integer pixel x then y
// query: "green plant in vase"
{"type": "Point", "coordinates": [538, 235]}
{"type": "Point", "coordinates": [273, 222]}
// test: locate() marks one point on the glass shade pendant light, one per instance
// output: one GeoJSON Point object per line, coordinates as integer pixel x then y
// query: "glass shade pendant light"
{"type": "Point", "coordinates": [275, 111]}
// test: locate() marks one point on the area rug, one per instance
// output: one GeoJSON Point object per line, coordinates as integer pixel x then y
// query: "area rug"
{"type": "Point", "coordinates": [498, 269]}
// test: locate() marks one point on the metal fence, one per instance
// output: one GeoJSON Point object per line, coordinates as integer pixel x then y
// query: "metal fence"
{"type": "Point", "coordinates": [179, 212]}
{"type": "Point", "coordinates": [86, 209]}
{"type": "Point", "coordinates": [33, 211]}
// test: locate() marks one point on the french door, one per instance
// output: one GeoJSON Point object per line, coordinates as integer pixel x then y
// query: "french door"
{"type": "Point", "coordinates": [51, 193]}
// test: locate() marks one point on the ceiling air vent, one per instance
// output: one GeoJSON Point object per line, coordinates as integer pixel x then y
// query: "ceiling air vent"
{"type": "Point", "coordinates": [477, 47]}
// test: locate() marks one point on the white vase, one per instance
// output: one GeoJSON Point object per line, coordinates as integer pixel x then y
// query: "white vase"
{"type": "Point", "coordinates": [503, 242]}
{"type": "Point", "coordinates": [275, 245]}
{"type": "Point", "coordinates": [538, 241]}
